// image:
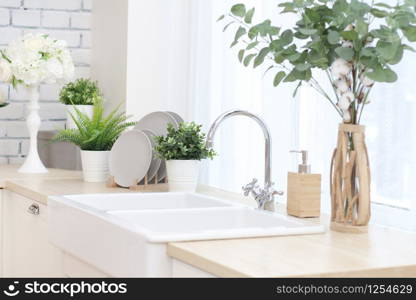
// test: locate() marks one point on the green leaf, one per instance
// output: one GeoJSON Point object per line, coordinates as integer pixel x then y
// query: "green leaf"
{"type": "Point", "coordinates": [240, 32]}
{"type": "Point", "coordinates": [288, 7]}
{"type": "Point", "coordinates": [261, 56]}
{"type": "Point", "coordinates": [238, 10]}
{"type": "Point", "coordinates": [397, 57]}
{"type": "Point", "coordinates": [241, 55]}
{"type": "Point", "coordinates": [345, 53]}
{"type": "Point", "coordinates": [382, 75]}
{"type": "Point", "coordinates": [410, 33]}
{"type": "Point", "coordinates": [252, 45]}
{"type": "Point", "coordinates": [248, 59]}
{"type": "Point", "coordinates": [307, 31]}
{"type": "Point", "coordinates": [386, 50]}
{"type": "Point", "coordinates": [228, 25]}
{"type": "Point", "coordinates": [303, 67]}
{"type": "Point", "coordinates": [361, 27]}
{"type": "Point", "coordinates": [249, 16]}
{"type": "Point", "coordinates": [378, 13]}
{"type": "Point", "coordinates": [333, 37]}
{"type": "Point", "coordinates": [285, 39]}
{"type": "Point", "coordinates": [349, 35]}
{"type": "Point", "coordinates": [278, 78]}
{"type": "Point", "coordinates": [295, 92]}
{"type": "Point", "coordinates": [295, 75]}
{"type": "Point", "coordinates": [409, 48]}
{"type": "Point", "coordinates": [221, 18]}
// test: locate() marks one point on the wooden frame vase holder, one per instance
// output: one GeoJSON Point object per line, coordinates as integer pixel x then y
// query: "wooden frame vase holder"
{"type": "Point", "coordinates": [350, 181]}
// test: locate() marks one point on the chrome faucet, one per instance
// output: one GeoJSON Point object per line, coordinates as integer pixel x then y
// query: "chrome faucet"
{"type": "Point", "coordinates": [263, 196]}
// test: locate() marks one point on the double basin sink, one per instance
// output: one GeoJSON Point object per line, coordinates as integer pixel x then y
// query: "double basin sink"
{"type": "Point", "coordinates": [125, 235]}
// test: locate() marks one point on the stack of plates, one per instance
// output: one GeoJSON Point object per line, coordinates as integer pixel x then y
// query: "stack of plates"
{"type": "Point", "coordinates": [133, 156]}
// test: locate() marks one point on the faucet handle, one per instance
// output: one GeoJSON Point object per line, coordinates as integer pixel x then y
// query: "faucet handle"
{"type": "Point", "coordinates": [272, 190]}
{"type": "Point", "coordinates": [250, 187]}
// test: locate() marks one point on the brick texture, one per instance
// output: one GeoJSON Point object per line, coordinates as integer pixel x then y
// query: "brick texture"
{"type": "Point", "coordinates": [69, 20]}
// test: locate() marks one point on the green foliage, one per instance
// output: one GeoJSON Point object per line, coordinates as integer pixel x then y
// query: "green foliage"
{"type": "Point", "coordinates": [185, 143]}
{"type": "Point", "coordinates": [3, 104]}
{"type": "Point", "coordinates": [317, 39]}
{"type": "Point", "coordinates": [98, 133]}
{"type": "Point", "coordinates": [325, 31]}
{"type": "Point", "coordinates": [81, 92]}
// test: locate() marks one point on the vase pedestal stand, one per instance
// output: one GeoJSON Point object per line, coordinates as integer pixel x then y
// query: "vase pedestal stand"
{"type": "Point", "coordinates": [33, 164]}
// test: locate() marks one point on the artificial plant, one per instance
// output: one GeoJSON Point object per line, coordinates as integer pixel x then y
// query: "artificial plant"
{"type": "Point", "coordinates": [98, 133]}
{"type": "Point", "coordinates": [185, 143]}
{"type": "Point", "coordinates": [83, 91]}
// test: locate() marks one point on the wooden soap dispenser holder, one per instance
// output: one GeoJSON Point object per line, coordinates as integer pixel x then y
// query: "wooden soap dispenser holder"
{"type": "Point", "coordinates": [304, 191]}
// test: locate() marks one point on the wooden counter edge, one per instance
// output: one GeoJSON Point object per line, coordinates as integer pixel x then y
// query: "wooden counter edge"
{"type": "Point", "coordinates": [189, 257]}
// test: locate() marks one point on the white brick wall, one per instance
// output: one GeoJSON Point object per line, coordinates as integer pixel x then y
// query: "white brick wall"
{"type": "Point", "coordinates": [69, 20]}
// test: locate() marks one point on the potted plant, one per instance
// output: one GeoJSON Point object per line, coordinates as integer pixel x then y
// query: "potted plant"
{"type": "Point", "coordinates": [342, 39]}
{"type": "Point", "coordinates": [80, 94]}
{"type": "Point", "coordinates": [183, 149]}
{"type": "Point", "coordinates": [95, 136]}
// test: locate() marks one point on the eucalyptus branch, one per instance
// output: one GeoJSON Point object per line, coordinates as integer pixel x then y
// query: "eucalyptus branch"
{"type": "Point", "coordinates": [318, 42]}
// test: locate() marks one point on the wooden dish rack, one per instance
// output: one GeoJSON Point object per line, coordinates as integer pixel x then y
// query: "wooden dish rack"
{"type": "Point", "coordinates": [154, 185]}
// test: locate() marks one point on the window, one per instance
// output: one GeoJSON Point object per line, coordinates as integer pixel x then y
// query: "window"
{"type": "Point", "coordinates": [219, 83]}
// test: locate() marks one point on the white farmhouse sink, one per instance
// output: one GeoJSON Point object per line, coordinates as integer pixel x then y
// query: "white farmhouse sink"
{"type": "Point", "coordinates": [107, 202]}
{"type": "Point", "coordinates": [125, 235]}
{"type": "Point", "coordinates": [158, 226]}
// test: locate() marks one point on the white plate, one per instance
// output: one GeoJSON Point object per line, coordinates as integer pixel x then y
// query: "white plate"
{"type": "Point", "coordinates": [177, 117]}
{"type": "Point", "coordinates": [157, 122]}
{"type": "Point", "coordinates": [156, 161]}
{"type": "Point", "coordinates": [130, 158]}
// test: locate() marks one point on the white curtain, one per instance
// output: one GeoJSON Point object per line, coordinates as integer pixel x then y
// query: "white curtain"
{"type": "Point", "coordinates": [220, 83]}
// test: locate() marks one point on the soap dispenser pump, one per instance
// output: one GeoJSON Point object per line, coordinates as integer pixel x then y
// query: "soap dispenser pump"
{"type": "Point", "coordinates": [303, 190]}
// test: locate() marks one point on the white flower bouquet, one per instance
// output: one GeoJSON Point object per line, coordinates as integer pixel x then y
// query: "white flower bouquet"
{"type": "Point", "coordinates": [29, 61]}
{"type": "Point", "coordinates": [34, 59]}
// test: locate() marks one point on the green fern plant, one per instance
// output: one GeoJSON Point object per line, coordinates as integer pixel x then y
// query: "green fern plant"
{"type": "Point", "coordinates": [98, 133]}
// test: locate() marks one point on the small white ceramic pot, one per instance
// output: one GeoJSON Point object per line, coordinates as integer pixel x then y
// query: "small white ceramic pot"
{"type": "Point", "coordinates": [95, 165]}
{"type": "Point", "coordinates": [70, 109]}
{"type": "Point", "coordinates": [183, 175]}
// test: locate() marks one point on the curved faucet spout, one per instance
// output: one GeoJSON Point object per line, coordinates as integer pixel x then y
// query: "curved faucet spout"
{"type": "Point", "coordinates": [265, 196]}
{"type": "Point", "coordinates": [266, 132]}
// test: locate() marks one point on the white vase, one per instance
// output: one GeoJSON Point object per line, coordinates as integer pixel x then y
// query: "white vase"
{"type": "Point", "coordinates": [95, 165]}
{"type": "Point", "coordinates": [33, 164]}
{"type": "Point", "coordinates": [183, 175]}
{"type": "Point", "coordinates": [70, 109]}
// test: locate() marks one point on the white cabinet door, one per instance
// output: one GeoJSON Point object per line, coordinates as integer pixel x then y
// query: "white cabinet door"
{"type": "Point", "coordinates": [26, 249]}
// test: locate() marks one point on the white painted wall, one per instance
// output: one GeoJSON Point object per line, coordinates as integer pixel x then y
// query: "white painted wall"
{"type": "Point", "coordinates": [109, 48]}
{"type": "Point", "coordinates": [141, 54]}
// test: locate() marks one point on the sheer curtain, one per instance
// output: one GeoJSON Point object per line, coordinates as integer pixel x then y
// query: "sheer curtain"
{"type": "Point", "coordinates": [219, 83]}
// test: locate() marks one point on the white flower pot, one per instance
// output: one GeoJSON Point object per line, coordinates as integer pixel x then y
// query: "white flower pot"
{"type": "Point", "coordinates": [95, 165]}
{"type": "Point", "coordinates": [183, 175]}
{"type": "Point", "coordinates": [70, 109]}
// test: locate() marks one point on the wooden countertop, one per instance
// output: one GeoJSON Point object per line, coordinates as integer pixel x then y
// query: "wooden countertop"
{"type": "Point", "coordinates": [39, 187]}
{"type": "Point", "coordinates": [383, 252]}
{"type": "Point", "coordinates": [10, 172]}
